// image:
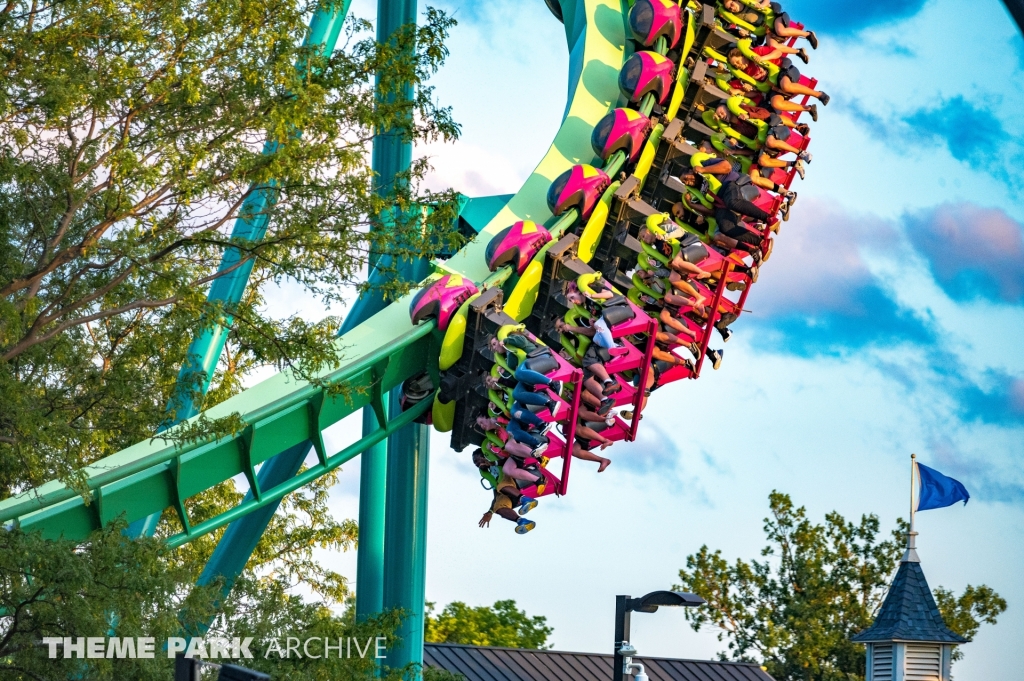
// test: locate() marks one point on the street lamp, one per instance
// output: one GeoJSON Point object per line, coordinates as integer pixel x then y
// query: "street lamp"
{"type": "Point", "coordinates": [623, 664]}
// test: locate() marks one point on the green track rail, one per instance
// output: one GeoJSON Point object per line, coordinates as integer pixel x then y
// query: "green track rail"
{"type": "Point", "coordinates": [284, 411]}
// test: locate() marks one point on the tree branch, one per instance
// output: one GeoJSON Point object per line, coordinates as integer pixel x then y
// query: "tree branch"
{"type": "Point", "coordinates": [28, 342]}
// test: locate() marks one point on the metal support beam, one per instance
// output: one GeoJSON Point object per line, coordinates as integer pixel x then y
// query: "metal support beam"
{"type": "Point", "coordinates": [405, 514]}
{"type": "Point", "coordinates": [405, 544]}
{"type": "Point", "coordinates": [240, 538]}
{"type": "Point", "coordinates": [372, 478]}
{"type": "Point", "coordinates": [622, 616]}
{"type": "Point", "coordinates": [392, 155]}
{"type": "Point", "coordinates": [372, 513]}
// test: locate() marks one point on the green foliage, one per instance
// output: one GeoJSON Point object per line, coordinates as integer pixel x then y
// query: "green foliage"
{"type": "Point", "coordinates": [59, 589]}
{"type": "Point", "coordinates": [280, 615]}
{"type": "Point", "coordinates": [502, 624]}
{"type": "Point", "coordinates": [53, 588]}
{"type": "Point", "coordinates": [966, 613]}
{"type": "Point", "coordinates": [817, 585]}
{"type": "Point", "coordinates": [285, 553]}
{"type": "Point", "coordinates": [131, 137]}
{"type": "Point", "coordinates": [73, 590]}
{"type": "Point", "coordinates": [435, 674]}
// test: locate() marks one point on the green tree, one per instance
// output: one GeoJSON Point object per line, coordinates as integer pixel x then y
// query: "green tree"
{"type": "Point", "coordinates": [435, 674]}
{"type": "Point", "coordinates": [53, 588]}
{"type": "Point", "coordinates": [131, 133]}
{"type": "Point", "coordinates": [817, 585]}
{"type": "Point", "coordinates": [502, 624]}
{"type": "Point", "coordinates": [965, 614]}
{"type": "Point", "coordinates": [56, 589]}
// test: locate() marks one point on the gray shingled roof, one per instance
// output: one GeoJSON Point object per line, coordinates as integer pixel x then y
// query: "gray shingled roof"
{"type": "Point", "coordinates": [479, 663]}
{"type": "Point", "coordinates": [909, 612]}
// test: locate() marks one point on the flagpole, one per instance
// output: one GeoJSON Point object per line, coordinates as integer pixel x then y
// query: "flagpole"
{"type": "Point", "coordinates": [910, 556]}
{"type": "Point", "coordinates": [913, 470]}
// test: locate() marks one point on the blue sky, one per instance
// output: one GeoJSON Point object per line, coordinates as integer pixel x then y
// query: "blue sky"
{"type": "Point", "coordinates": [888, 321]}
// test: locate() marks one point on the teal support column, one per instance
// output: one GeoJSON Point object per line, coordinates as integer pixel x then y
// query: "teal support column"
{"type": "Point", "coordinates": [405, 547]}
{"type": "Point", "coordinates": [391, 154]}
{"type": "Point", "coordinates": [372, 479]}
{"type": "Point", "coordinates": [373, 473]}
{"type": "Point", "coordinates": [391, 157]}
{"type": "Point", "coordinates": [405, 489]}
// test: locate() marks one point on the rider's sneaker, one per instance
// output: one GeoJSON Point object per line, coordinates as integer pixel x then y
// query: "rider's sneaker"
{"type": "Point", "coordinates": [726, 334]}
{"type": "Point", "coordinates": [716, 358]}
{"type": "Point", "coordinates": [524, 526]}
{"type": "Point", "coordinates": [528, 505]}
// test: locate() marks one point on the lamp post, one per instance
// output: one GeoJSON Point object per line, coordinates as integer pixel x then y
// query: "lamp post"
{"type": "Point", "coordinates": [623, 664]}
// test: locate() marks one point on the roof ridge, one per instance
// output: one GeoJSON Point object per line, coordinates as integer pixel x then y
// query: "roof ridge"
{"type": "Point", "coordinates": [572, 652]}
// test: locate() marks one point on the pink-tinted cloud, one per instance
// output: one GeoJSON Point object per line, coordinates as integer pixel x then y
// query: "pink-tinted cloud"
{"type": "Point", "coordinates": [1017, 395]}
{"type": "Point", "coordinates": [973, 252]}
{"type": "Point", "coordinates": [817, 294]}
{"type": "Point", "coordinates": [817, 265]}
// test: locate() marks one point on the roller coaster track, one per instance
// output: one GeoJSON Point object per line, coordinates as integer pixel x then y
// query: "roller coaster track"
{"type": "Point", "coordinates": [387, 349]}
{"type": "Point", "coordinates": [381, 353]}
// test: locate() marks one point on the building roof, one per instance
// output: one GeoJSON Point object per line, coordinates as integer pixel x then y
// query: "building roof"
{"type": "Point", "coordinates": [480, 663]}
{"type": "Point", "coordinates": [909, 612]}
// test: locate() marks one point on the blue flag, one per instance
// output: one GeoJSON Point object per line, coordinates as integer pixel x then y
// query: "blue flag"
{"type": "Point", "coordinates": [937, 490]}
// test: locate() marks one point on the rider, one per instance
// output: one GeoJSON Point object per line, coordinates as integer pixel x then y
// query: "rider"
{"type": "Point", "coordinates": [506, 497]}
{"type": "Point", "coordinates": [734, 190]}
{"type": "Point", "coordinates": [511, 468]}
{"type": "Point", "coordinates": [786, 83]}
{"type": "Point", "coordinates": [781, 26]}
